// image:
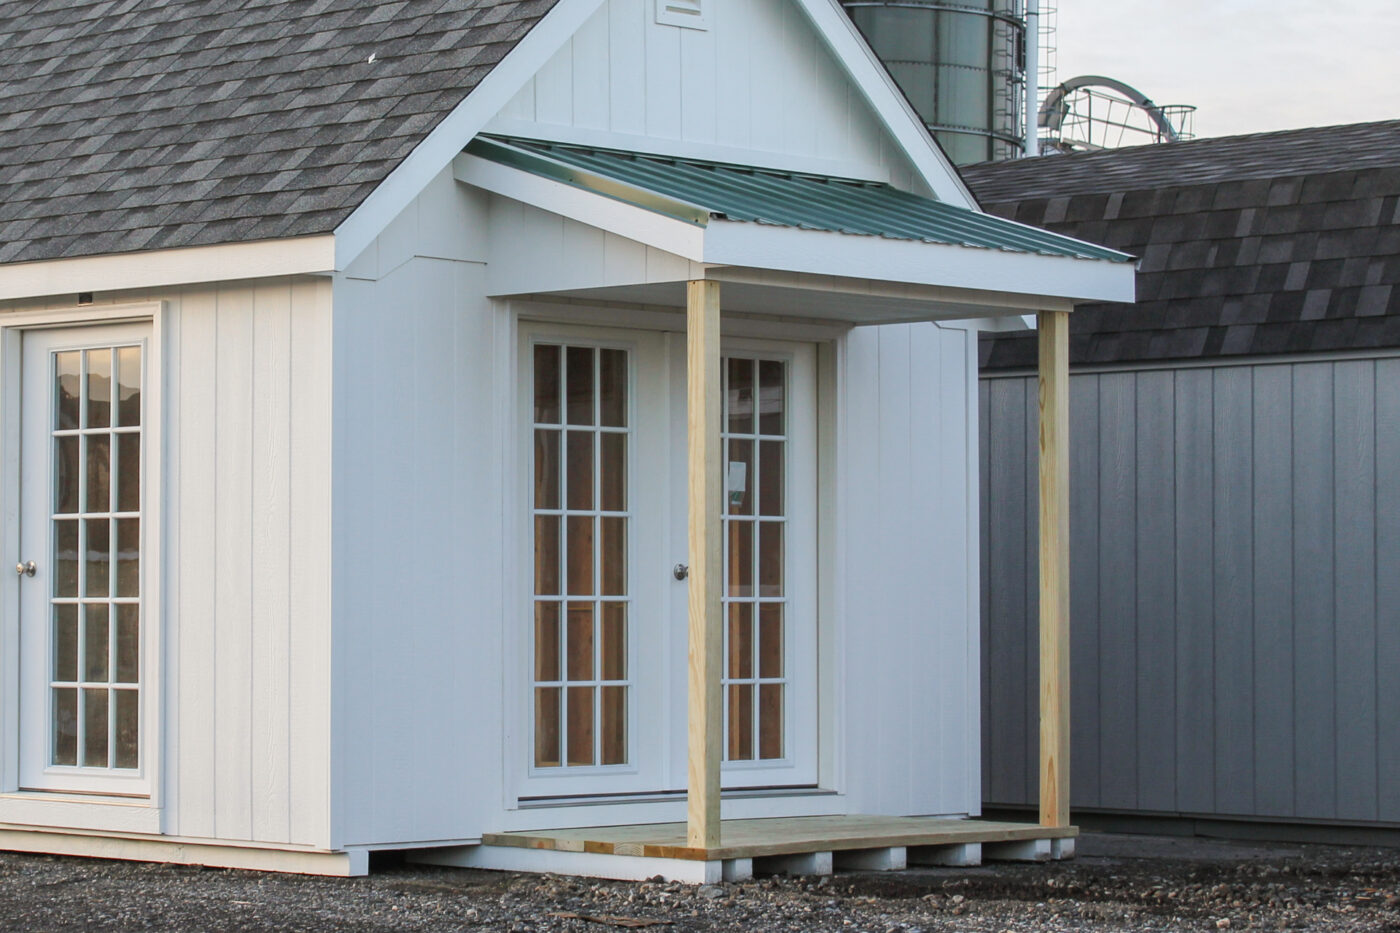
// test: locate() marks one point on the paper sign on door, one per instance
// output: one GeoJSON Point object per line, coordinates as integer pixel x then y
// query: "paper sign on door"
{"type": "Point", "coordinates": [737, 482]}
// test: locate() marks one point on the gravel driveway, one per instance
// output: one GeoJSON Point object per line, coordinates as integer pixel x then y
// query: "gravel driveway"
{"type": "Point", "coordinates": [1117, 883]}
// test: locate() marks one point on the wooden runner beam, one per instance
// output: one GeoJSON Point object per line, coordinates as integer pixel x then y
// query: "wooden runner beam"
{"type": "Point", "coordinates": [1054, 567]}
{"type": "Point", "coordinates": [705, 726]}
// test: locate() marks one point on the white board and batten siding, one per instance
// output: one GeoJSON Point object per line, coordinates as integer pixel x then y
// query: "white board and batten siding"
{"type": "Point", "coordinates": [245, 644]}
{"type": "Point", "coordinates": [908, 657]}
{"type": "Point", "coordinates": [758, 85]}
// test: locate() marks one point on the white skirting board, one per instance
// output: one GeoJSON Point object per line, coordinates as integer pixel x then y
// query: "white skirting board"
{"type": "Point", "coordinates": [338, 864]}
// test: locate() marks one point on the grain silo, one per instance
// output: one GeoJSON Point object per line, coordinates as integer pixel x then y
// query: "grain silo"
{"type": "Point", "coordinates": [961, 63]}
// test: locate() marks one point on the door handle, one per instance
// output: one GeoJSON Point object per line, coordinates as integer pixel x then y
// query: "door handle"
{"type": "Point", "coordinates": [26, 568]}
{"type": "Point", "coordinates": [680, 571]}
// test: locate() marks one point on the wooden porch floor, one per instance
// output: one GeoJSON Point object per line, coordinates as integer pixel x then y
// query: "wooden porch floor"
{"type": "Point", "coordinates": [746, 839]}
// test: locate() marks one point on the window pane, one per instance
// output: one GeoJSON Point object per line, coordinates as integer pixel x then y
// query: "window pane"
{"type": "Point", "coordinates": [770, 640]}
{"type": "Point", "coordinates": [580, 555]}
{"type": "Point", "coordinates": [99, 388]}
{"type": "Point", "coordinates": [99, 473]}
{"type": "Point", "coordinates": [739, 477]}
{"type": "Point", "coordinates": [95, 728]}
{"type": "Point", "coordinates": [738, 400]}
{"type": "Point", "coordinates": [128, 472]}
{"type": "Point", "coordinates": [128, 557]}
{"type": "Point", "coordinates": [770, 721]}
{"type": "Point", "coordinates": [614, 554]}
{"type": "Point", "coordinates": [614, 653]}
{"type": "Point", "coordinates": [547, 726]}
{"type": "Point", "coordinates": [580, 470]}
{"type": "Point", "coordinates": [65, 642]}
{"type": "Point", "coordinates": [65, 558]}
{"type": "Point", "coordinates": [128, 729]}
{"type": "Point", "coordinates": [740, 664]}
{"type": "Point", "coordinates": [546, 469]}
{"type": "Point", "coordinates": [772, 402]}
{"type": "Point", "coordinates": [580, 647]}
{"type": "Point", "coordinates": [740, 722]}
{"type": "Point", "coordinates": [772, 478]}
{"type": "Point", "coordinates": [97, 555]}
{"type": "Point", "coordinates": [128, 643]}
{"type": "Point", "coordinates": [546, 384]}
{"type": "Point", "coordinates": [739, 558]}
{"type": "Point", "coordinates": [770, 559]}
{"type": "Point", "coordinates": [579, 369]}
{"type": "Point", "coordinates": [581, 725]}
{"type": "Point", "coordinates": [614, 472]}
{"type": "Point", "coordinates": [612, 388]}
{"type": "Point", "coordinates": [546, 555]}
{"type": "Point", "coordinates": [65, 470]}
{"type": "Point", "coordinates": [65, 726]}
{"type": "Point", "coordinates": [129, 386]}
{"type": "Point", "coordinates": [614, 716]}
{"type": "Point", "coordinates": [67, 376]}
{"type": "Point", "coordinates": [546, 641]}
{"type": "Point", "coordinates": [95, 643]}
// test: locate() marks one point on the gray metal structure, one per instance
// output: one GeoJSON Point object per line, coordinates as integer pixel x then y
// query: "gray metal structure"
{"type": "Point", "coordinates": [1235, 500]}
{"type": "Point", "coordinates": [961, 63]}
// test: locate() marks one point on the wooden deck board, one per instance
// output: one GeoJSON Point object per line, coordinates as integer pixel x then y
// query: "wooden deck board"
{"type": "Point", "coordinates": [777, 836]}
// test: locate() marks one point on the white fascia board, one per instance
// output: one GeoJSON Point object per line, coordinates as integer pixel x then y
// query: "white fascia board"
{"type": "Point", "coordinates": [817, 252]}
{"type": "Point", "coordinates": [627, 220]}
{"type": "Point", "coordinates": [450, 136]}
{"type": "Point", "coordinates": [165, 267]}
{"type": "Point", "coordinates": [874, 81]}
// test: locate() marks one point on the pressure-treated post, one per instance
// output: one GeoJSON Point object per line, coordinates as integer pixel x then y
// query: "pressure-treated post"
{"type": "Point", "coordinates": [1054, 567]}
{"type": "Point", "coordinates": [705, 709]}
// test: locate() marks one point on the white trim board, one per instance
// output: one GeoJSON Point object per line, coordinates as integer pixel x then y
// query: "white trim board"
{"type": "Point", "coordinates": [158, 268]}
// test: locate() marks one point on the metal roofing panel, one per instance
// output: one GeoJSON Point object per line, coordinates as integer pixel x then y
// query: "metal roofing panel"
{"type": "Point", "coordinates": [694, 190]}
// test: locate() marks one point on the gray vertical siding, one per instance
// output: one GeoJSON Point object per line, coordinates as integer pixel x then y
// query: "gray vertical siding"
{"type": "Point", "coordinates": [1235, 599]}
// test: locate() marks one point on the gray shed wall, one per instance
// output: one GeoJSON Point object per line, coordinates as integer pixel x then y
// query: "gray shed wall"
{"type": "Point", "coordinates": [1235, 590]}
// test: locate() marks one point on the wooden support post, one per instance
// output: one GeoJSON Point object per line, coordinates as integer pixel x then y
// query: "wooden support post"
{"type": "Point", "coordinates": [705, 712]}
{"type": "Point", "coordinates": [1054, 567]}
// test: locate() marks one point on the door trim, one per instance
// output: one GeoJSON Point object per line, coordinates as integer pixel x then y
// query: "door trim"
{"type": "Point", "coordinates": [92, 810]}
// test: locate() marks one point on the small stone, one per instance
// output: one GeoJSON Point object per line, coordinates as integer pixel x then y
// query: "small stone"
{"type": "Point", "coordinates": [711, 891]}
{"type": "Point", "coordinates": [957, 898]}
{"type": "Point", "coordinates": [1223, 923]}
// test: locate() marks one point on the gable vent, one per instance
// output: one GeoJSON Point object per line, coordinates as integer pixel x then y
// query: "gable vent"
{"type": "Point", "coordinates": [690, 14]}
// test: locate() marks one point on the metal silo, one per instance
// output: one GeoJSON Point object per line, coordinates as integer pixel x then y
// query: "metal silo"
{"type": "Point", "coordinates": [961, 63]}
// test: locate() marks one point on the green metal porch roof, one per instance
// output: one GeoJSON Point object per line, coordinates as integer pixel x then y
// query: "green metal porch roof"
{"type": "Point", "coordinates": [694, 191]}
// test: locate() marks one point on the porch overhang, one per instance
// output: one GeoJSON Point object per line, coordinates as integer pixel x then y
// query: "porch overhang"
{"type": "Point", "coordinates": [872, 255]}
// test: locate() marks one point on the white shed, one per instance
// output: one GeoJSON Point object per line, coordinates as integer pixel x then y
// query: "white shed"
{"type": "Point", "coordinates": [478, 426]}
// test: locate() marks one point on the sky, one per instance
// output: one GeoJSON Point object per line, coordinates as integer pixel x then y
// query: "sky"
{"type": "Point", "coordinates": [1247, 65]}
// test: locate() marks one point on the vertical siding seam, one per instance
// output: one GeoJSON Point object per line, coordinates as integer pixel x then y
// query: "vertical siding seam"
{"type": "Point", "coordinates": [1375, 580]}
{"type": "Point", "coordinates": [213, 635]}
{"type": "Point", "coordinates": [252, 624]}
{"type": "Point", "coordinates": [1253, 600]}
{"type": "Point", "coordinates": [292, 506]}
{"type": "Point", "coordinates": [1336, 648]}
{"type": "Point", "coordinates": [1293, 583]}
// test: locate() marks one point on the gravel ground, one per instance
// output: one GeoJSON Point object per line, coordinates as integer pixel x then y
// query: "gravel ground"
{"type": "Point", "coordinates": [1117, 883]}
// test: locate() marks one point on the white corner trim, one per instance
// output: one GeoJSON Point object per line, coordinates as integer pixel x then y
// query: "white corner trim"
{"type": "Point", "coordinates": [450, 136]}
{"type": "Point", "coordinates": [627, 220]}
{"type": "Point", "coordinates": [816, 252]}
{"type": "Point", "coordinates": [840, 33]}
{"type": "Point", "coordinates": [158, 268]}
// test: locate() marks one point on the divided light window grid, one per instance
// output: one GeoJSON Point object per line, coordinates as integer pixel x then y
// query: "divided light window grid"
{"type": "Point", "coordinates": [580, 515]}
{"type": "Point", "coordinates": [755, 456]}
{"type": "Point", "coordinates": [95, 601]}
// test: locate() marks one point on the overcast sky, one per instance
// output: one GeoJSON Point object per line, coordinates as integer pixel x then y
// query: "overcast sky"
{"type": "Point", "coordinates": [1248, 65]}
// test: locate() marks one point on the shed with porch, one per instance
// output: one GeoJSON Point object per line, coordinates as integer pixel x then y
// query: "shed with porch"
{"type": "Point", "coordinates": [542, 417]}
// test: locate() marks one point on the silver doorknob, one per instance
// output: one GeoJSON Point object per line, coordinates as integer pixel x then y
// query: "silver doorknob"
{"type": "Point", "coordinates": [26, 568]}
{"type": "Point", "coordinates": [681, 571]}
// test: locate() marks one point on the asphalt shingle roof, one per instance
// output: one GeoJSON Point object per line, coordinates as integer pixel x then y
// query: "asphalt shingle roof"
{"type": "Point", "coordinates": [1270, 243]}
{"type": "Point", "coordinates": [142, 124]}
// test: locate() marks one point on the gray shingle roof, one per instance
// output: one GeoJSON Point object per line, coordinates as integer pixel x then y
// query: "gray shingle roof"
{"type": "Point", "coordinates": [142, 124]}
{"type": "Point", "coordinates": [1251, 245]}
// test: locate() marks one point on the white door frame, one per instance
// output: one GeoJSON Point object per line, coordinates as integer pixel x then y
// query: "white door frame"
{"type": "Point", "coordinates": [656, 365]}
{"type": "Point", "coordinates": [87, 811]}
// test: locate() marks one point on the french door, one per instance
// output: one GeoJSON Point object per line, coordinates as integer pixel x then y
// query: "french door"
{"type": "Point", "coordinates": [605, 418]}
{"type": "Point", "coordinates": [83, 425]}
